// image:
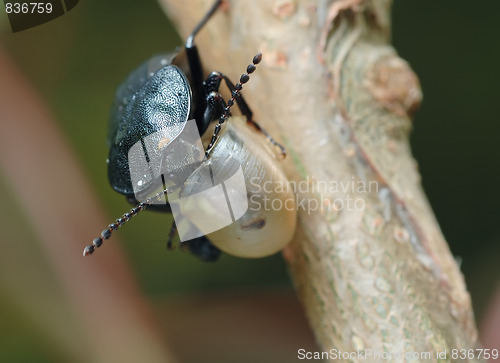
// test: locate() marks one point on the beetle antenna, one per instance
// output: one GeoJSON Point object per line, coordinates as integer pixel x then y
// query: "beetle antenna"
{"type": "Point", "coordinates": [171, 235]}
{"type": "Point", "coordinates": [106, 234]}
{"type": "Point", "coordinates": [245, 77]}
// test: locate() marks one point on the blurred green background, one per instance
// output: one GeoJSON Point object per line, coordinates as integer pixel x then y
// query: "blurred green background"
{"type": "Point", "coordinates": [453, 47]}
{"type": "Point", "coordinates": [77, 61]}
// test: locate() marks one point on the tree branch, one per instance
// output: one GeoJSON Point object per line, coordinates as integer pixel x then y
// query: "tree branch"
{"type": "Point", "coordinates": [377, 274]}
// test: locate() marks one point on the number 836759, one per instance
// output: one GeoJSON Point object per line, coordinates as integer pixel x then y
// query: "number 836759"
{"type": "Point", "coordinates": [474, 354]}
{"type": "Point", "coordinates": [28, 8]}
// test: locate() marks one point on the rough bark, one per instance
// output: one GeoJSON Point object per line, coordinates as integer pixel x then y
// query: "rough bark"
{"type": "Point", "coordinates": [377, 275]}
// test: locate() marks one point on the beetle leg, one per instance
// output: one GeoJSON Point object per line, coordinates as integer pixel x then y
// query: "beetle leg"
{"type": "Point", "coordinates": [203, 248]}
{"type": "Point", "coordinates": [196, 68]}
{"type": "Point", "coordinates": [212, 105]}
{"type": "Point", "coordinates": [171, 234]}
{"type": "Point", "coordinates": [215, 105]}
{"type": "Point", "coordinates": [212, 83]}
{"type": "Point", "coordinates": [269, 137]}
{"type": "Point", "coordinates": [192, 54]}
{"type": "Point", "coordinates": [247, 112]}
{"type": "Point", "coordinates": [245, 77]}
